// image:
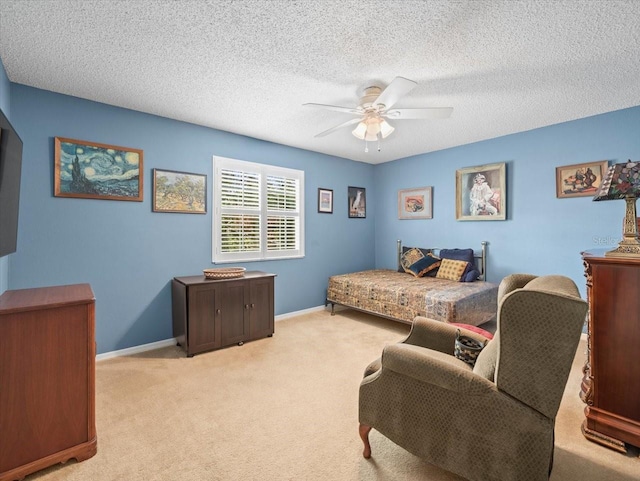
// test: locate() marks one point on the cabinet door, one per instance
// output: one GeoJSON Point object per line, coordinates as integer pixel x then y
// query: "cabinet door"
{"type": "Point", "coordinates": [233, 302]}
{"type": "Point", "coordinates": [203, 330]}
{"type": "Point", "coordinates": [261, 307]}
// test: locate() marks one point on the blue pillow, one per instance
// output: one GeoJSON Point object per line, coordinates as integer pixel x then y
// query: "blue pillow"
{"type": "Point", "coordinates": [415, 262]}
{"type": "Point", "coordinates": [471, 273]}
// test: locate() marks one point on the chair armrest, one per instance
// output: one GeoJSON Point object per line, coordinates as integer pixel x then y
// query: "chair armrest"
{"type": "Point", "coordinates": [437, 335]}
{"type": "Point", "coordinates": [435, 368]}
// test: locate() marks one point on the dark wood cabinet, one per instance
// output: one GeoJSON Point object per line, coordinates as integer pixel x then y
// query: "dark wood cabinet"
{"type": "Point", "coordinates": [210, 314]}
{"type": "Point", "coordinates": [610, 386]}
{"type": "Point", "coordinates": [47, 378]}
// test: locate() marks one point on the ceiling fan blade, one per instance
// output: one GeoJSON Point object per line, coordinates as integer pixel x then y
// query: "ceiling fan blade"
{"type": "Point", "coordinates": [431, 113]}
{"type": "Point", "coordinates": [345, 110]}
{"type": "Point", "coordinates": [337, 127]}
{"type": "Point", "coordinates": [399, 87]}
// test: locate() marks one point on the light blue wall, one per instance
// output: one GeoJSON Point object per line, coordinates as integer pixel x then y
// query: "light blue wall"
{"type": "Point", "coordinates": [543, 234]}
{"type": "Point", "coordinates": [129, 254]}
{"type": "Point", "coordinates": [5, 100]}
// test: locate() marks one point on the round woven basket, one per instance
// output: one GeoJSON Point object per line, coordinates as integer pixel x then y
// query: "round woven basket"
{"type": "Point", "coordinates": [224, 272]}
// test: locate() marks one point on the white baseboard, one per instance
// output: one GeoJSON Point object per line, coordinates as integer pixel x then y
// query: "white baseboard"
{"type": "Point", "coordinates": [136, 349]}
{"type": "Point", "coordinates": [299, 313]}
{"type": "Point", "coordinates": [172, 342]}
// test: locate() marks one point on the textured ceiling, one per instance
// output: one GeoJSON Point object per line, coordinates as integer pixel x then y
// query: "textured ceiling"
{"type": "Point", "coordinates": [247, 66]}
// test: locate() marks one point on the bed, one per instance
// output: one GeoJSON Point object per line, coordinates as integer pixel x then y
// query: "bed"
{"type": "Point", "coordinates": [400, 296]}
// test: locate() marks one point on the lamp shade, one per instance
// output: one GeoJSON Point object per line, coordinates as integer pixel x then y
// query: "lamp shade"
{"type": "Point", "coordinates": [621, 181]}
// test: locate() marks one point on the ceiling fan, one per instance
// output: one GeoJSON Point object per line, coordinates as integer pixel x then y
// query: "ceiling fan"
{"type": "Point", "coordinates": [376, 106]}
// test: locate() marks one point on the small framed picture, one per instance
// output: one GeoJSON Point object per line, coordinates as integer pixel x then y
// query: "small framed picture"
{"type": "Point", "coordinates": [325, 201]}
{"type": "Point", "coordinates": [357, 202]}
{"type": "Point", "coordinates": [415, 203]}
{"type": "Point", "coordinates": [580, 180]}
{"type": "Point", "coordinates": [481, 192]}
{"type": "Point", "coordinates": [179, 192]}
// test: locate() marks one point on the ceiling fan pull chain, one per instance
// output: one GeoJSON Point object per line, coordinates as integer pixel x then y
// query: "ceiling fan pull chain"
{"type": "Point", "coordinates": [366, 146]}
{"type": "Point", "coordinates": [378, 142]}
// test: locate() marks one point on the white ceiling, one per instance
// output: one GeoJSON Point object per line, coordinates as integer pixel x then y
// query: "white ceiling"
{"type": "Point", "coordinates": [247, 66]}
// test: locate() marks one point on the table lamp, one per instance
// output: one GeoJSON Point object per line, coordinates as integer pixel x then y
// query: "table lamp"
{"type": "Point", "coordinates": [623, 182]}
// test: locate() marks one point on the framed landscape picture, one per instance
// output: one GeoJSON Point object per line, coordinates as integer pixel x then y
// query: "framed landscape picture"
{"type": "Point", "coordinates": [580, 180]}
{"type": "Point", "coordinates": [357, 202]}
{"type": "Point", "coordinates": [90, 170]}
{"type": "Point", "coordinates": [325, 201]}
{"type": "Point", "coordinates": [181, 192]}
{"type": "Point", "coordinates": [481, 192]}
{"type": "Point", "coordinates": [415, 203]}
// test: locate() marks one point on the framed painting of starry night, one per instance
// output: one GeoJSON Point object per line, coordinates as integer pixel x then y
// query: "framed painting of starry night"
{"type": "Point", "coordinates": [90, 170]}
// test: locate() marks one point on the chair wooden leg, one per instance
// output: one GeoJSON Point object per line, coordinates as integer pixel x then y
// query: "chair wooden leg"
{"type": "Point", "coordinates": [364, 435]}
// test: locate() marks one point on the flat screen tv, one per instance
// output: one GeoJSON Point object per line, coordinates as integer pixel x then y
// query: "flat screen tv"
{"type": "Point", "coordinates": [10, 170]}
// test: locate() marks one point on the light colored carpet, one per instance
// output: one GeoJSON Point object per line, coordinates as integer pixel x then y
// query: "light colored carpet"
{"type": "Point", "coordinates": [281, 408]}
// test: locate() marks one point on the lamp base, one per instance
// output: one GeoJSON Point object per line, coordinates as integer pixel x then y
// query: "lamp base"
{"type": "Point", "coordinates": [629, 246]}
{"type": "Point", "coordinates": [625, 249]}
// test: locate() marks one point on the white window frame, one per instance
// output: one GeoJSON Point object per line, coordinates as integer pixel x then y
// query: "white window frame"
{"type": "Point", "coordinates": [263, 170]}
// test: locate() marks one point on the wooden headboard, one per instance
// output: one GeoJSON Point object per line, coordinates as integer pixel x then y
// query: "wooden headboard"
{"type": "Point", "coordinates": [481, 258]}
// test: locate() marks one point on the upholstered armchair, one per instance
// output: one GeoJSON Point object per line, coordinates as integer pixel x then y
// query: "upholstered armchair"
{"type": "Point", "coordinates": [492, 421]}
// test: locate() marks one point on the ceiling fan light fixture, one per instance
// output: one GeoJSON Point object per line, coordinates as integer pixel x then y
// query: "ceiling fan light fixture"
{"type": "Point", "coordinates": [386, 129]}
{"type": "Point", "coordinates": [360, 130]}
{"type": "Point", "coordinates": [370, 136]}
{"type": "Point", "coordinates": [369, 128]}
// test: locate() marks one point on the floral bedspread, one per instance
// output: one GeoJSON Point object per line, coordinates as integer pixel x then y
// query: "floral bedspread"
{"type": "Point", "coordinates": [402, 296]}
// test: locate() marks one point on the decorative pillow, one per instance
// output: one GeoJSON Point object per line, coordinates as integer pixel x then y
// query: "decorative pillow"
{"type": "Point", "coordinates": [452, 270]}
{"type": "Point", "coordinates": [406, 249]}
{"type": "Point", "coordinates": [471, 273]}
{"type": "Point", "coordinates": [416, 263]}
{"type": "Point", "coordinates": [467, 349]}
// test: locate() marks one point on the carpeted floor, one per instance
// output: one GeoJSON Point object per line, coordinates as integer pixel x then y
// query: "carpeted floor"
{"type": "Point", "coordinates": [281, 408]}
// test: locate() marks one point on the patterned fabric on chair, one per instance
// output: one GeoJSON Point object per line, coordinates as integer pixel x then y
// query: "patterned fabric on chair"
{"type": "Point", "coordinates": [493, 421]}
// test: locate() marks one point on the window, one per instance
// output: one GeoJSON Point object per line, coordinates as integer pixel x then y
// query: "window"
{"type": "Point", "coordinates": [258, 211]}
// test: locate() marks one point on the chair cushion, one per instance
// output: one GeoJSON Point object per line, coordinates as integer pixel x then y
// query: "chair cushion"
{"type": "Point", "coordinates": [486, 361]}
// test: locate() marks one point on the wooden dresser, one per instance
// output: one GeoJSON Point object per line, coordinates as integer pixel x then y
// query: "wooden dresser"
{"type": "Point", "coordinates": [47, 378]}
{"type": "Point", "coordinates": [210, 314]}
{"type": "Point", "coordinates": [611, 384]}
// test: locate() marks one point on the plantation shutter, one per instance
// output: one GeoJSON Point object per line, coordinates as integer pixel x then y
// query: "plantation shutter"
{"type": "Point", "coordinates": [282, 213]}
{"type": "Point", "coordinates": [258, 212]}
{"type": "Point", "coordinates": [240, 211]}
